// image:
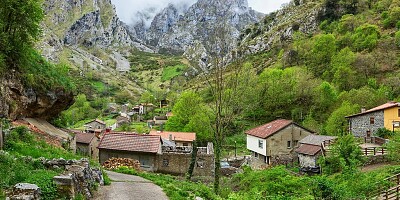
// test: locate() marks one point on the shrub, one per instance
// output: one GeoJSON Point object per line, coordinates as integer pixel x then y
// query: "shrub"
{"type": "Point", "coordinates": [384, 133]}
{"type": "Point", "coordinates": [44, 179]}
{"type": "Point", "coordinates": [366, 37]}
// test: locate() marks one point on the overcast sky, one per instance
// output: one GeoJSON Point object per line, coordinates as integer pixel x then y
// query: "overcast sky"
{"type": "Point", "coordinates": [126, 9]}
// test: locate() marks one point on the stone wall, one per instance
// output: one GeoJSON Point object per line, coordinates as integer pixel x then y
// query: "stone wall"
{"type": "Point", "coordinates": [78, 178]}
{"type": "Point", "coordinates": [359, 125]}
{"type": "Point", "coordinates": [307, 160]}
{"type": "Point", "coordinates": [371, 160]}
{"type": "Point", "coordinates": [178, 164]}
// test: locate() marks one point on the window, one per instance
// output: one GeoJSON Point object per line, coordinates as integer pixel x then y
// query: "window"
{"type": "Point", "coordinates": [185, 144]}
{"type": "Point", "coordinates": [371, 120]}
{"type": "Point", "coordinates": [260, 144]}
{"type": "Point", "coordinates": [165, 162]}
{"type": "Point", "coordinates": [398, 114]}
{"type": "Point", "coordinates": [295, 143]}
{"type": "Point", "coordinates": [289, 144]}
{"type": "Point", "coordinates": [200, 163]}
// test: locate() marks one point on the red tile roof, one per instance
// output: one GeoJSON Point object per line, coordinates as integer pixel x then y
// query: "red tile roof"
{"type": "Point", "coordinates": [84, 138]}
{"type": "Point", "coordinates": [269, 129]}
{"type": "Point", "coordinates": [308, 149]}
{"type": "Point", "coordinates": [176, 136]}
{"type": "Point", "coordinates": [130, 142]}
{"type": "Point", "coordinates": [378, 108]}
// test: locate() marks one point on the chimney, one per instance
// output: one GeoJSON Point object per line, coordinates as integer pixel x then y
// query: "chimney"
{"type": "Point", "coordinates": [363, 110]}
{"type": "Point", "coordinates": [170, 137]}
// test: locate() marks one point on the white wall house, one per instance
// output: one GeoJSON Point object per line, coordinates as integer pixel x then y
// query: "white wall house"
{"type": "Point", "coordinates": [257, 145]}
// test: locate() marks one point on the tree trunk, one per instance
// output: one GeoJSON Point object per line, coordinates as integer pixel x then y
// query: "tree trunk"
{"type": "Point", "coordinates": [192, 161]}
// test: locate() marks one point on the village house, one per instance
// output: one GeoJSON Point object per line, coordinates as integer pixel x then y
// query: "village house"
{"type": "Point", "coordinates": [143, 148]}
{"type": "Point", "coordinates": [184, 139]}
{"type": "Point", "coordinates": [272, 142]}
{"type": "Point", "coordinates": [145, 108]}
{"type": "Point", "coordinates": [311, 147]}
{"type": "Point", "coordinates": [96, 125]}
{"type": "Point", "coordinates": [86, 144]}
{"type": "Point", "coordinates": [147, 149]}
{"type": "Point", "coordinates": [158, 120]}
{"type": "Point", "coordinates": [121, 120]}
{"type": "Point", "coordinates": [367, 122]}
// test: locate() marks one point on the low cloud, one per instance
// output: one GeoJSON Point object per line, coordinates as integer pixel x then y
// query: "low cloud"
{"type": "Point", "coordinates": [133, 11]}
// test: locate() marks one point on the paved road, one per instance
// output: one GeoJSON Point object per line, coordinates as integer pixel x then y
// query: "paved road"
{"type": "Point", "coordinates": [128, 187]}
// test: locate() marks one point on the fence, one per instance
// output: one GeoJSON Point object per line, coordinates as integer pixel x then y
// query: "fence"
{"type": "Point", "coordinates": [393, 192]}
{"type": "Point", "coordinates": [374, 151]}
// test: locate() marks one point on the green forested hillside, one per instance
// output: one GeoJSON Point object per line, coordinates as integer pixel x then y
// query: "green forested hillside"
{"type": "Point", "coordinates": [351, 61]}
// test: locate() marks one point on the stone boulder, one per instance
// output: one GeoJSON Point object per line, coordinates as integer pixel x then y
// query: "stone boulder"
{"type": "Point", "coordinates": [25, 191]}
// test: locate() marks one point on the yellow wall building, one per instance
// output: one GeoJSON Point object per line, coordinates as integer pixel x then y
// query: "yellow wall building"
{"type": "Point", "coordinates": [392, 118]}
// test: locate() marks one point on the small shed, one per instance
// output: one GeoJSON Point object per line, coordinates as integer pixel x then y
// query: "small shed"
{"type": "Point", "coordinates": [311, 148]}
{"type": "Point", "coordinates": [86, 144]}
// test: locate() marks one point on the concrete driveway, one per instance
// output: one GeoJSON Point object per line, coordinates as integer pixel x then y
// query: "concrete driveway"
{"type": "Point", "coordinates": [129, 187]}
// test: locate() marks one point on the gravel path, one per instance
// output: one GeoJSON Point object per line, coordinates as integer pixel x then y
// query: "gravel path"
{"type": "Point", "coordinates": [129, 187]}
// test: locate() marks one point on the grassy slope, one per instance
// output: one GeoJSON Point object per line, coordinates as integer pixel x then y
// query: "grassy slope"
{"type": "Point", "coordinates": [18, 162]}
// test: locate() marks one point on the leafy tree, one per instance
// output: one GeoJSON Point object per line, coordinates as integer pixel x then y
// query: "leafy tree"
{"type": "Point", "coordinates": [366, 37]}
{"type": "Point", "coordinates": [337, 123]}
{"type": "Point", "coordinates": [394, 148]}
{"type": "Point", "coordinates": [324, 97]}
{"type": "Point", "coordinates": [324, 47]}
{"type": "Point", "coordinates": [345, 155]}
{"type": "Point", "coordinates": [397, 39]}
{"type": "Point", "coordinates": [343, 75]}
{"type": "Point", "coordinates": [20, 28]}
{"type": "Point", "coordinates": [191, 115]}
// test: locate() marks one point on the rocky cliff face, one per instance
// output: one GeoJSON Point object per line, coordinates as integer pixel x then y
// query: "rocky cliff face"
{"type": "Point", "coordinates": [188, 30]}
{"type": "Point", "coordinates": [278, 27]}
{"type": "Point", "coordinates": [19, 101]}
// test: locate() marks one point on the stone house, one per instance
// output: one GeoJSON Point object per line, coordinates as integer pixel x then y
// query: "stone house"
{"type": "Point", "coordinates": [184, 139]}
{"type": "Point", "coordinates": [367, 122]}
{"type": "Point", "coordinates": [122, 120]}
{"type": "Point", "coordinates": [158, 120]}
{"type": "Point", "coordinates": [143, 148]}
{"type": "Point", "coordinates": [86, 144]}
{"type": "Point", "coordinates": [311, 148]}
{"type": "Point", "coordinates": [275, 141]}
{"type": "Point", "coordinates": [96, 125]}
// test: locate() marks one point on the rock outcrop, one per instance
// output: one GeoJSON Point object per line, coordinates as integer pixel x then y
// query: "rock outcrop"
{"type": "Point", "coordinates": [189, 30]}
{"type": "Point", "coordinates": [278, 27]}
{"type": "Point", "coordinates": [25, 191]}
{"type": "Point", "coordinates": [18, 101]}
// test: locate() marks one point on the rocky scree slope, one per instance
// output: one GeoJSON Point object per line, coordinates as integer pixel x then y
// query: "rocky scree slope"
{"type": "Point", "coordinates": [88, 36]}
